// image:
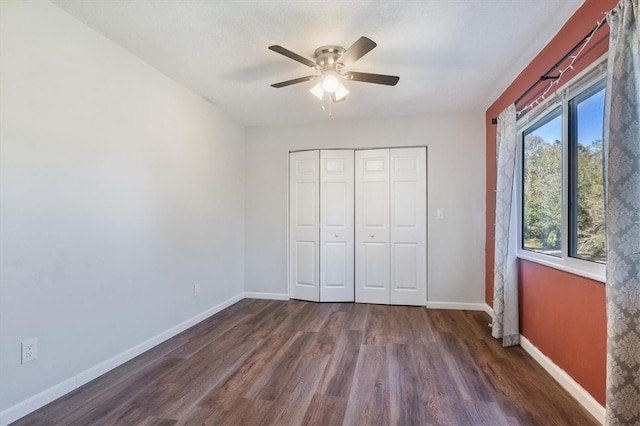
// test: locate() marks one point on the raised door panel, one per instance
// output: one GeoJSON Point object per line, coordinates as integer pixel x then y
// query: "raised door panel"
{"type": "Point", "coordinates": [408, 224]}
{"type": "Point", "coordinates": [304, 225]}
{"type": "Point", "coordinates": [372, 226]}
{"type": "Point", "coordinates": [336, 226]}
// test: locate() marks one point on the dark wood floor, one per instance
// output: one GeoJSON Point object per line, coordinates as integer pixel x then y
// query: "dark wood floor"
{"type": "Point", "coordinates": [276, 362]}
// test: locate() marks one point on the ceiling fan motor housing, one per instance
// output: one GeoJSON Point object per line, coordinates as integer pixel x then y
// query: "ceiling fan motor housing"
{"type": "Point", "coordinates": [327, 56]}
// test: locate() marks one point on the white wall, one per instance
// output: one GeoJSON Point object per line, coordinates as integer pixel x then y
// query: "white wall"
{"type": "Point", "coordinates": [456, 182]}
{"type": "Point", "coordinates": [119, 189]}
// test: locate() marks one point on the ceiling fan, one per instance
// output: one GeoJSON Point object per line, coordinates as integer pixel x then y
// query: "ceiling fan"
{"type": "Point", "coordinates": [332, 62]}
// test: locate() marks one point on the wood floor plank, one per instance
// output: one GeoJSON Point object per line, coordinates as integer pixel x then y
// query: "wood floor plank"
{"type": "Point", "coordinates": [357, 315]}
{"type": "Point", "coordinates": [420, 324]}
{"type": "Point", "coordinates": [213, 352]}
{"type": "Point", "coordinates": [271, 382]}
{"type": "Point", "coordinates": [245, 411]}
{"type": "Point", "coordinates": [196, 415]}
{"type": "Point", "coordinates": [99, 408]}
{"type": "Point", "coordinates": [398, 324]}
{"type": "Point", "coordinates": [292, 362]}
{"type": "Point", "coordinates": [338, 376]}
{"type": "Point", "coordinates": [369, 400]}
{"type": "Point", "coordinates": [439, 392]}
{"type": "Point", "coordinates": [405, 389]}
{"type": "Point", "coordinates": [485, 413]}
{"type": "Point", "coordinates": [317, 315]}
{"type": "Point", "coordinates": [156, 421]}
{"type": "Point", "coordinates": [219, 365]}
{"type": "Point", "coordinates": [136, 409]}
{"type": "Point", "coordinates": [325, 410]}
{"type": "Point", "coordinates": [207, 335]}
{"type": "Point", "coordinates": [330, 332]}
{"type": "Point", "coordinates": [245, 376]}
{"type": "Point", "coordinates": [292, 402]}
{"type": "Point", "coordinates": [274, 318]}
{"type": "Point", "coordinates": [376, 329]}
{"type": "Point", "coordinates": [309, 317]}
{"type": "Point", "coordinates": [470, 379]}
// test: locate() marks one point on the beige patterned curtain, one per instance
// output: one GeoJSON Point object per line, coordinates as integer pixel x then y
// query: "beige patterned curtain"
{"type": "Point", "coordinates": [505, 278]}
{"type": "Point", "coordinates": [622, 148]}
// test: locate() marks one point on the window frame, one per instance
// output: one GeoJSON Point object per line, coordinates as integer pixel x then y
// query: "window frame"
{"type": "Point", "coordinates": [583, 82]}
{"type": "Point", "coordinates": [573, 164]}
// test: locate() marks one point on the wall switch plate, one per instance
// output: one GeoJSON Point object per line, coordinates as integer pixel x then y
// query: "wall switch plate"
{"type": "Point", "coordinates": [29, 350]}
{"type": "Point", "coordinates": [440, 214]}
{"type": "Point", "coordinates": [196, 290]}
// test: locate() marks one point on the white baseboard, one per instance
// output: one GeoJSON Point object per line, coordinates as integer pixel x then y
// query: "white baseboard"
{"type": "Point", "coordinates": [565, 380]}
{"type": "Point", "coordinates": [489, 310]}
{"type": "Point", "coordinates": [260, 295]}
{"type": "Point", "coordinates": [459, 306]}
{"type": "Point", "coordinates": [41, 399]}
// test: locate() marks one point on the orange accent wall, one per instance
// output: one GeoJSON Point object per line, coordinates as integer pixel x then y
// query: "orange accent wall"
{"type": "Point", "coordinates": [562, 314]}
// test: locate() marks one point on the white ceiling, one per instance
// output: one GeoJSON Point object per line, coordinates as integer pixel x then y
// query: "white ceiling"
{"type": "Point", "coordinates": [451, 55]}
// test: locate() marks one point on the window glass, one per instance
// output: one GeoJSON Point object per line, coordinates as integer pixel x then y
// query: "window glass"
{"type": "Point", "coordinates": [542, 186]}
{"type": "Point", "coordinates": [586, 190]}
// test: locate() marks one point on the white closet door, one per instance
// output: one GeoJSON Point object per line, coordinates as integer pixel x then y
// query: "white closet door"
{"type": "Point", "coordinates": [372, 226]}
{"type": "Point", "coordinates": [304, 226]}
{"type": "Point", "coordinates": [408, 223]}
{"type": "Point", "coordinates": [336, 226]}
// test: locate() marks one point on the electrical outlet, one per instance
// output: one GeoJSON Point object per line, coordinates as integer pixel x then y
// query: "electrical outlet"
{"type": "Point", "coordinates": [196, 290]}
{"type": "Point", "coordinates": [29, 349]}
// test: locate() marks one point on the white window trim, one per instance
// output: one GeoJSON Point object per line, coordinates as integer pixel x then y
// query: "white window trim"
{"type": "Point", "coordinates": [584, 80]}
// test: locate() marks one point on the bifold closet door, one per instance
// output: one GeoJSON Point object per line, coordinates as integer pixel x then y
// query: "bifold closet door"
{"type": "Point", "coordinates": [391, 226]}
{"type": "Point", "coordinates": [321, 225]}
{"type": "Point", "coordinates": [304, 225]}
{"type": "Point", "coordinates": [408, 226]}
{"type": "Point", "coordinates": [336, 226]}
{"type": "Point", "coordinates": [372, 226]}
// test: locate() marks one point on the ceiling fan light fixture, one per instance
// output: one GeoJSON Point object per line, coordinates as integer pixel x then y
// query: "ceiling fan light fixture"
{"type": "Point", "coordinates": [341, 92]}
{"type": "Point", "coordinates": [330, 83]}
{"type": "Point", "coordinates": [317, 90]}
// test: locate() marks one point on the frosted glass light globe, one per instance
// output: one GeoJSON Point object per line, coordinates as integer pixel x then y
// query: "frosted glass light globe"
{"type": "Point", "coordinates": [330, 83]}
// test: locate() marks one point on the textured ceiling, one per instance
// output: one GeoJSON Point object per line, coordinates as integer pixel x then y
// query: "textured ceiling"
{"type": "Point", "coordinates": [451, 55]}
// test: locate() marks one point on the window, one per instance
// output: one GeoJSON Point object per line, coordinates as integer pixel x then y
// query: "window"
{"type": "Point", "coordinates": [562, 184]}
{"type": "Point", "coordinates": [542, 186]}
{"type": "Point", "coordinates": [586, 179]}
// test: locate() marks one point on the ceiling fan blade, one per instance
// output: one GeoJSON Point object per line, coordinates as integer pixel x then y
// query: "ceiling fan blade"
{"type": "Point", "coordinates": [389, 80]}
{"type": "Point", "coordinates": [294, 81]}
{"type": "Point", "coordinates": [361, 47]}
{"type": "Point", "coordinates": [289, 54]}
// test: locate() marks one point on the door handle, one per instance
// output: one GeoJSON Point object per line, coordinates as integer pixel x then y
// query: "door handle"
{"type": "Point", "coordinates": [371, 235]}
{"type": "Point", "coordinates": [336, 235]}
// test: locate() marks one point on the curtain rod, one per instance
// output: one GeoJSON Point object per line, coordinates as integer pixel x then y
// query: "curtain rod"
{"type": "Point", "coordinates": [546, 75]}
